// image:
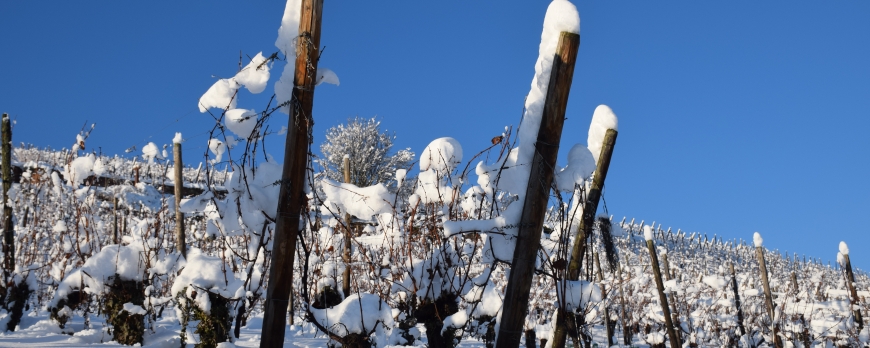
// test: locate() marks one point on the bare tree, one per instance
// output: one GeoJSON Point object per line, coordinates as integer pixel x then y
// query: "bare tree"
{"type": "Point", "coordinates": [368, 150]}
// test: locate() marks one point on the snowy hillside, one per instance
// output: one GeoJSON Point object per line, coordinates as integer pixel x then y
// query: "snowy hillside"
{"type": "Point", "coordinates": [427, 262]}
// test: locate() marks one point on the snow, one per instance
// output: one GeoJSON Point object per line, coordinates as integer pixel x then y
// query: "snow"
{"type": "Point", "coordinates": [99, 167]}
{"type": "Point", "coordinates": [655, 337]}
{"type": "Point", "coordinates": [580, 166]}
{"type": "Point", "coordinates": [437, 163]}
{"type": "Point", "coordinates": [79, 169]}
{"type": "Point", "coordinates": [202, 274]}
{"type": "Point", "coordinates": [286, 42]}
{"type": "Point", "coordinates": [150, 152]}
{"type": "Point", "coordinates": [602, 119]}
{"type": "Point", "coordinates": [221, 95]}
{"type": "Point", "coordinates": [716, 282]}
{"type": "Point", "coordinates": [844, 249]}
{"type": "Point", "coordinates": [362, 202]}
{"type": "Point", "coordinates": [123, 261]}
{"type": "Point", "coordinates": [490, 302]}
{"type": "Point", "coordinates": [241, 121]}
{"type": "Point", "coordinates": [177, 139]}
{"type": "Point", "coordinates": [255, 75]}
{"type": "Point", "coordinates": [217, 148]}
{"type": "Point", "coordinates": [134, 309]}
{"type": "Point", "coordinates": [442, 155]}
{"type": "Point", "coordinates": [325, 75]}
{"type": "Point", "coordinates": [400, 176]}
{"type": "Point", "coordinates": [756, 239]}
{"type": "Point", "coordinates": [289, 30]}
{"type": "Point", "coordinates": [457, 320]}
{"type": "Point", "coordinates": [358, 313]}
{"type": "Point", "coordinates": [647, 232]}
{"type": "Point", "coordinates": [578, 293]}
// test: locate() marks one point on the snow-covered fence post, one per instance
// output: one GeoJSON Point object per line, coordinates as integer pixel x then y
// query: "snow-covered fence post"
{"type": "Point", "coordinates": [291, 197]}
{"type": "Point", "coordinates": [607, 326]}
{"type": "Point", "coordinates": [180, 245]}
{"type": "Point", "coordinates": [850, 282]}
{"type": "Point", "coordinates": [590, 207]}
{"type": "Point", "coordinates": [736, 291]}
{"type": "Point", "coordinates": [345, 254]}
{"type": "Point", "coordinates": [663, 298]}
{"type": "Point", "coordinates": [516, 300]}
{"type": "Point", "coordinates": [8, 228]}
{"type": "Point", "coordinates": [768, 296]}
{"type": "Point", "coordinates": [578, 249]}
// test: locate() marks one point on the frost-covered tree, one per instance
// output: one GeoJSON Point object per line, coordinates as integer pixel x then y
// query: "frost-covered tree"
{"type": "Point", "coordinates": [368, 148]}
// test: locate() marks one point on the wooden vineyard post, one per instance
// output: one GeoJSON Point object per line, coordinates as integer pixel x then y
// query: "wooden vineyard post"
{"type": "Point", "coordinates": [590, 207]}
{"type": "Point", "coordinates": [291, 197]}
{"type": "Point", "coordinates": [850, 281]}
{"type": "Point", "coordinates": [115, 225]}
{"type": "Point", "coordinates": [672, 300]}
{"type": "Point", "coordinates": [608, 328]}
{"type": "Point", "coordinates": [663, 298]}
{"type": "Point", "coordinates": [516, 300]}
{"type": "Point", "coordinates": [736, 291]}
{"type": "Point", "coordinates": [626, 333]}
{"type": "Point", "coordinates": [180, 245]}
{"type": "Point", "coordinates": [768, 296]}
{"type": "Point", "coordinates": [345, 254]}
{"type": "Point", "coordinates": [794, 283]}
{"type": "Point", "coordinates": [8, 228]}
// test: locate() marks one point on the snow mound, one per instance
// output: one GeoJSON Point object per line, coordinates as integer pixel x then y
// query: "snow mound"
{"type": "Point", "coordinates": [362, 202]}
{"type": "Point", "coordinates": [358, 313]}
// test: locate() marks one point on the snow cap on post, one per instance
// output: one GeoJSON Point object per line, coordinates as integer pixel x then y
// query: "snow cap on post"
{"type": "Point", "coordinates": [756, 238]}
{"type": "Point", "coordinates": [647, 232]}
{"type": "Point", "coordinates": [561, 16]}
{"type": "Point", "coordinates": [841, 260]}
{"type": "Point", "coordinates": [844, 249]}
{"type": "Point", "coordinates": [602, 119]}
{"type": "Point", "coordinates": [177, 139]}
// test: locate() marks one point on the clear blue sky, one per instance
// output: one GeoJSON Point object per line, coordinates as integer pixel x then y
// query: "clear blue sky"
{"type": "Point", "coordinates": [735, 116]}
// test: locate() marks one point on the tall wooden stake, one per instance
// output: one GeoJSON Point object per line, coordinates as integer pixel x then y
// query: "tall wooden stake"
{"type": "Point", "coordinates": [626, 333]}
{"type": "Point", "coordinates": [850, 280]}
{"type": "Point", "coordinates": [115, 226]}
{"type": "Point", "coordinates": [768, 297]}
{"type": "Point", "coordinates": [516, 300]}
{"type": "Point", "coordinates": [607, 327]}
{"type": "Point", "coordinates": [8, 228]}
{"type": "Point", "coordinates": [291, 199]}
{"type": "Point", "coordinates": [345, 254]}
{"type": "Point", "coordinates": [675, 317]}
{"type": "Point", "coordinates": [663, 298]}
{"type": "Point", "coordinates": [180, 245]}
{"type": "Point", "coordinates": [736, 291]}
{"type": "Point", "coordinates": [578, 249]}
